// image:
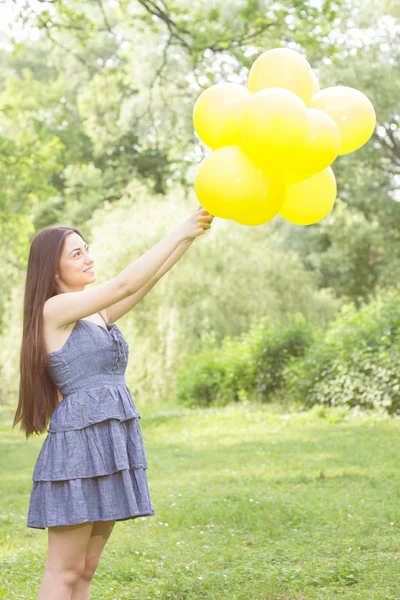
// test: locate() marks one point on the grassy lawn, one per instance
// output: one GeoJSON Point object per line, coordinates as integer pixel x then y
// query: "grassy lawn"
{"type": "Point", "coordinates": [251, 503]}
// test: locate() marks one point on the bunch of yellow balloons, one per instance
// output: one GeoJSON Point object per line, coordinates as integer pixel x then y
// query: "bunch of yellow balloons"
{"type": "Point", "coordinates": [273, 142]}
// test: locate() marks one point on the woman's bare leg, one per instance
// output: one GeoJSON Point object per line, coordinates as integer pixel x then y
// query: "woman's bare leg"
{"type": "Point", "coordinates": [100, 533]}
{"type": "Point", "coordinates": [65, 562]}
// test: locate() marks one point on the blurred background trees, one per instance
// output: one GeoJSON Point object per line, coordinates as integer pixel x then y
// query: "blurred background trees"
{"type": "Point", "coordinates": [96, 101]}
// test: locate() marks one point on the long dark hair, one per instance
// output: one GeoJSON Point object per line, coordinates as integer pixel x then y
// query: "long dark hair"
{"type": "Point", "coordinates": [38, 394]}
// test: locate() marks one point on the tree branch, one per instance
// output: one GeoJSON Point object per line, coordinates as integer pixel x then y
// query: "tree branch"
{"type": "Point", "coordinates": [222, 46]}
{"type": "Point", "coordinates": [105, 19]}
{"type": "Point", "coordinates": [393, 147]}
{"type": "Point", "coordinates": [153, 9]}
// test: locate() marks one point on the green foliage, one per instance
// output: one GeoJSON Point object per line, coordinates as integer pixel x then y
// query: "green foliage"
{"type": "Point", "coordinates": [102, 99]}
{"type": "Point", "coordinates": [275, 346]}
{"type": "Point", "coordinates": [85, 75]}
{"type": "Point", "coordinates": [355, 362]}
{"type": "Point", "coordinates": [347, 253]}
{"type": "Point", "coordinates": [228, 278]}
{"type": "Point", "coordinates": [357, 246]}
{"type": "Point", "coordinates": [248, 366]}
{"type": "Point", "coordinates": [216, 376]}
{"type": "Point", "coordinates": [79, 97]}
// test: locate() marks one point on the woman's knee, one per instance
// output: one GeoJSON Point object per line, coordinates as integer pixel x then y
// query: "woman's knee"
{"type": "Point", "coordinates": [67, 550]}
{"type": "Point", "coordinates": [89, 569]}
{"type": "Point", "coordinates": [67, 576]}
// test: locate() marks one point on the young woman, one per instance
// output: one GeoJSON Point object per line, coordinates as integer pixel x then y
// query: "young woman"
{"type": "Point", "coordinates": [91, 469]}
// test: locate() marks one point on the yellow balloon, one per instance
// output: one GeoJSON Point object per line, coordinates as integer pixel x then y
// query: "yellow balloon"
{"type": "Point", "coordinates": [228, 184]}
{"type": "Point", "coordinates": [311, 200]}
{"type": "Point", "coordinates": [352, 112]}
{"type": "Point", "coordinates": [274, 123]}
{"type": "Point", "coordinates": [217, 112]}
{"type": "Point", "coordinates": [319, 150]}
{"type": "Point", "coordinates": [230, 135]}
{"type": "Point", "coordinates": [282, 68]}
{"type": "Point", "coordinates": [270, 205]}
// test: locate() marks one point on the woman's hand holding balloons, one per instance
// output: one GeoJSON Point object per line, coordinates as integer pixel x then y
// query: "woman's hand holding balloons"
{"type": "Point", "coordinates": [273, 144]}
{"type": "Point", "coordinates": [196, 224]}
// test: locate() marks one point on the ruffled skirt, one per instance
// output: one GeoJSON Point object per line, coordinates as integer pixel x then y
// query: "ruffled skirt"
{"type": "Point", "coordinates": [92, 464]}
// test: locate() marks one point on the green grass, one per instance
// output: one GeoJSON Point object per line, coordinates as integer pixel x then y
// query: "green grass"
{"type": "Point", "coordinates": [251, 503]}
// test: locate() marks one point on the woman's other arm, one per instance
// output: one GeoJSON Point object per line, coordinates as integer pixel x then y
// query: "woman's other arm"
{"type": "Point", "coordinates": [119, 309]}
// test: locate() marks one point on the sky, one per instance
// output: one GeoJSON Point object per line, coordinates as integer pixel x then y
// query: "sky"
{"type": "Point", "coordinates": [7, 12]}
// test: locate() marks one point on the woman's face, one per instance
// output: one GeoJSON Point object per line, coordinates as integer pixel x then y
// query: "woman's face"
{"type": "Point", "coordinates": [73, 274]}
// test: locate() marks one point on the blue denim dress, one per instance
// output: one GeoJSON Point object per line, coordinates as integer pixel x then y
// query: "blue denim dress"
{"type": "Point", "coordinates": [92, 464]}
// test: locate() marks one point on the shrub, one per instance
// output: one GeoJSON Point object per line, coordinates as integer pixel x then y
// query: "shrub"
{"type": "Point", "coordinates": [355, 362]}
{"type": "Point", "coordinates": [248, 366]}
{"type": "Point", "coordinates": [273, 347]}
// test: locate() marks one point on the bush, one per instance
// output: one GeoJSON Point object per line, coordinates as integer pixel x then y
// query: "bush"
{"type": "Point", "coordinates": [249, 366]}
{"type": "Point", "coordinates": [273, 347]}
{"type": "Point", "coordinates": [355, 362]}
